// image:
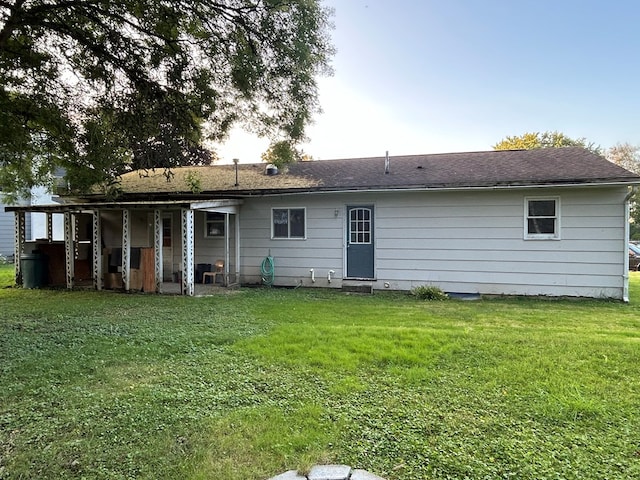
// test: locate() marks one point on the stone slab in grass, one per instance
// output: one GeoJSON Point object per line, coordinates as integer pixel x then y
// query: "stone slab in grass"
{"type": "Point", "coordinates": [330, 472]}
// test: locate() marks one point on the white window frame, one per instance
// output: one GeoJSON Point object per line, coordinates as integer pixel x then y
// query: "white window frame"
{"type": "Point", "coordinates": [207, 222]}
{"type": "Point", "coordinates": [359, 224]}
{"type": "Point", "coordinates": [288, 237]}
{"type": "Point", "coordinates": [542, 236]}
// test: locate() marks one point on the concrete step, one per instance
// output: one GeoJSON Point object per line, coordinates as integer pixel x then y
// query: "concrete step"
{"type": "Point", "coordinates": [357, 287]}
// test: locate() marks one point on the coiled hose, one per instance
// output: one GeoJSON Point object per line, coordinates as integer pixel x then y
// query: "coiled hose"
{"type": "Point", "coordinates": [268, 271]}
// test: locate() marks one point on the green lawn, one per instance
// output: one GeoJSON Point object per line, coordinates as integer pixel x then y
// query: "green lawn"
{"type": "Point", "coordinates": [248, 384]}
{"type": "Point", "coordinates": [7, 275]}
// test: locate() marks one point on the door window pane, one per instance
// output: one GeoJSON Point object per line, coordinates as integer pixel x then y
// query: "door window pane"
{"type": "Point", "coordinates": [360, 225]}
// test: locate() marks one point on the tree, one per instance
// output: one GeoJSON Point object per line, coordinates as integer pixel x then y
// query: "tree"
{"type": "Point", "coordinates": [529, 141]}
{"type": "Point", "coordinates": [107, 86]}
{"type": "Point", "coordinates": [628, 156]}
{"type": "Point", "coordinates": [625, 155]}
{"type": "Point", "coordinates": [284, 153]}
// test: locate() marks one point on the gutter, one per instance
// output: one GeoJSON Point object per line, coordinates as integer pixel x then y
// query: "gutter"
{"type": "Point", "coordinates": [318, 190]}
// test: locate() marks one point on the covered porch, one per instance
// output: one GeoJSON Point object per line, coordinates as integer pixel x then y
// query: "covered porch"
{"type": "Point", "coordinates": [154, 247]}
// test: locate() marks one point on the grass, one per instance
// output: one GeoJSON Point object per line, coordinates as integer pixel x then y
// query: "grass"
{"type": "Point", "coordinates": [7, 275]}
{"type": "Point", "coordinates": [248, 384]}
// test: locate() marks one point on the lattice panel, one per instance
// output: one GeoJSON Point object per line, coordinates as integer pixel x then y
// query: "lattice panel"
{"type": "Point", "coordinates": [187, 253]}
{"type": "Point", "coordinates": [126, 250]}
{"type": "Point", "coordinates": [18, 244]}
{"type": "Point", "coordinates": [76, 229]}
{"type": "Point", "coordinates": [69, 250]}
{"type": "Point", "coordinates": [49, 227]}
{"type": "Point", "coordinates": [157, 222]}
{"type": "Point", "coordinates": [97, 250]}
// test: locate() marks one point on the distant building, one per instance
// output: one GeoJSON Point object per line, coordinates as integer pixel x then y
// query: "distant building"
{"type": "Point", "coordinates": [35, 222]}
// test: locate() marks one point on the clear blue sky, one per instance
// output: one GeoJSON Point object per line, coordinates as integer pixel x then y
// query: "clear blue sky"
{"type": "Point", "coordinates": [429, 76]}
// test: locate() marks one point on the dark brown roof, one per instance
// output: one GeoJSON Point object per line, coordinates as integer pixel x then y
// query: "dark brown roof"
{"type": "Point", "coordinates": [509, 168]}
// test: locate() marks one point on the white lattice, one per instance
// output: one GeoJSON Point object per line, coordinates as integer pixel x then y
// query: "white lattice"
{"type": "Point", "coordinates": [49, 227]}
{"type": "Point", "coordinates": [18, 244]}
{"type": "Point", "coordinates": [69, 250]}
{"type": "Point", "coordinates": [126, 251]}
{"type": "Point", "coordinates": [187, 252]}
{"type": "Point", "coordinates": [97, 250]}
{"type": "Point", "coordinates": [157, 217]}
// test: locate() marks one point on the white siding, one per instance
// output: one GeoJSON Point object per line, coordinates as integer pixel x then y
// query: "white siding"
{"type": "Point", "coordinates": [7, 232]}
{"type": "Point", "coordinates": [7, 227]}
{"type": "Point", "coordinates": [322, 250]}
{"type": "Point", "coordinates": [40, 196]}
{"type": "Point", "coordinates": [459, 241]}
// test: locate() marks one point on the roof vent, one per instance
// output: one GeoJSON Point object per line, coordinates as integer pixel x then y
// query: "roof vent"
{"type": "Point", "coordinates": [386, 163]}
{"type": "Point", "coordinates": [271, 170]}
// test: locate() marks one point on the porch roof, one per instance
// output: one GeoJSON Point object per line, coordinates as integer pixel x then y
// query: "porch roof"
{"type": "Point", "coordinates": [221, 205]}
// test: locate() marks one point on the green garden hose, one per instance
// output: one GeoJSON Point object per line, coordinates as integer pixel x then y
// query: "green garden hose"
{"type": "Point", "coordinates": [267, 269]}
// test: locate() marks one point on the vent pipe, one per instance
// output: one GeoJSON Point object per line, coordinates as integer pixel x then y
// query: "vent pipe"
{"type": "Point", "coordinates": [271, 169]}
{"type": "Point", "coordinates": [386, 163]}
{"type": "Point", "coordinates": [235, 162]}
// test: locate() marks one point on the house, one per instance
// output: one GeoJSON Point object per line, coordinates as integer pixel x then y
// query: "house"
{"type": "Point", "coordinates": [527, 222]}
{"type": "Point", "coordinates": [35, 222]}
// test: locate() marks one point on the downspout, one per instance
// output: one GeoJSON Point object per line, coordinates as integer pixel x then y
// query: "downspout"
{"type": "Point", "coordinates": [226, 249]}
{"type": "Point", "coordinates": [625, 275]}
{"type": "Point", "coordinates": [237, 237]}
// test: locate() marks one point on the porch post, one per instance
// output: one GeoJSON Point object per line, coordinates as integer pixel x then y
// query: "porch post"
{"type": "Point", "coordinates": [226, 249]}
{"type": "Point", "coordinates": [69, 250]}
{"type": "Point", "coordinates": [157, 242]}
{"type": "Point", "coordinates": [126, 251]}
{"type": "Point", "coordinates": [97, 250]}
{"type": "Point", "coordinates": [18, 244]}
{"type": "Point", "coordinates": [237, 266]}
{"type": "Point", "coordinates": [187, 252]}
{"type": "Point", "coordinates": [49, 227]}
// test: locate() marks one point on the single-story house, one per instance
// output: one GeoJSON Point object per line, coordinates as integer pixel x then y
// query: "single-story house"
{"type": "Point", "coordinates": [549, 222]}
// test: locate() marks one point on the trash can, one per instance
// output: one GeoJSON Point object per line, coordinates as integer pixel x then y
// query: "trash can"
{"type": "Point", "coordinates": [34, 269]}
{"type": "Point", "coordinates": [200, 269]}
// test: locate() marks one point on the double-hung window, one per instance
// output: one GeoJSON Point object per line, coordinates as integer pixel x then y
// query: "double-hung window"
{"type": "Point", "coordinates": [542, 218]}
{"type": "Point", "coordinates": [288, 223]}
{"type": "Point", "coordinates": [214, 225]}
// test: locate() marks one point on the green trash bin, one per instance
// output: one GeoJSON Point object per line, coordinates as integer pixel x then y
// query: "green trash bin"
{"type": "Point", "coordinates": [34, 269]}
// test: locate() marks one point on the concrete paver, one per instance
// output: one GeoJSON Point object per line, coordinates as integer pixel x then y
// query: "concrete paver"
{"type": "Point", "coordinates": [329, 472]}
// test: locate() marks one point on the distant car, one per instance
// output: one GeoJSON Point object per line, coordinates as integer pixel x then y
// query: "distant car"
{"type": "Point", "coordinates": [634, 257]}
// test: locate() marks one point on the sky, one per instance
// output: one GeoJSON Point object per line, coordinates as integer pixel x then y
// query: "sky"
{"type": "Point", "coordinates": [435, 76]}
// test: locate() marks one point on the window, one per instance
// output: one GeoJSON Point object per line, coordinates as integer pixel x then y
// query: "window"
{"type": "Point", "coordinates": [166, 231]}
{"type": "Point", "coordinates": [214, 225]}
{"type": "Point", "coordinates": [542, 218]}
{"type": "Point", "coordinates": [288, 222]}
{"type": "Point", "coordinates": [360, 226]}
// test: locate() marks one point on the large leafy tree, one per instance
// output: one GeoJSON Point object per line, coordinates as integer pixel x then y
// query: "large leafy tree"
{"type": "Point", "coordinates": [628, 156]}
{"type": "Point", "coordinates": [625, 155]}
{"type": "Point", "coordinates": [531, 140]}
{"type": "Point", "coordinates": [107, 86]}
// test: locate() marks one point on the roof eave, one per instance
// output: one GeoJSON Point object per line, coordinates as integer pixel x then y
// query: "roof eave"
{"type": "Point", "coordinates": [245, 193]}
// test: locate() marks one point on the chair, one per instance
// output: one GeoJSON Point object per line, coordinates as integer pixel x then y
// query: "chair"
{"type": "Point", "coordinates": [219, 271]}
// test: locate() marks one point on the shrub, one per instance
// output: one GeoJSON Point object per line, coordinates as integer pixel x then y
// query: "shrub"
{"type": "Point", "coordinates": [429, 292]}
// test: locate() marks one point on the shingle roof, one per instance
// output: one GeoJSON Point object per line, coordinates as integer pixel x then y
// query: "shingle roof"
{"type": "Point", "coordinates": [550, 166]}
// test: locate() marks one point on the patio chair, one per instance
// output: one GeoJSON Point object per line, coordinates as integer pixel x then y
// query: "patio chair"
{"type": "Point", "coordinates": [218, 271]}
